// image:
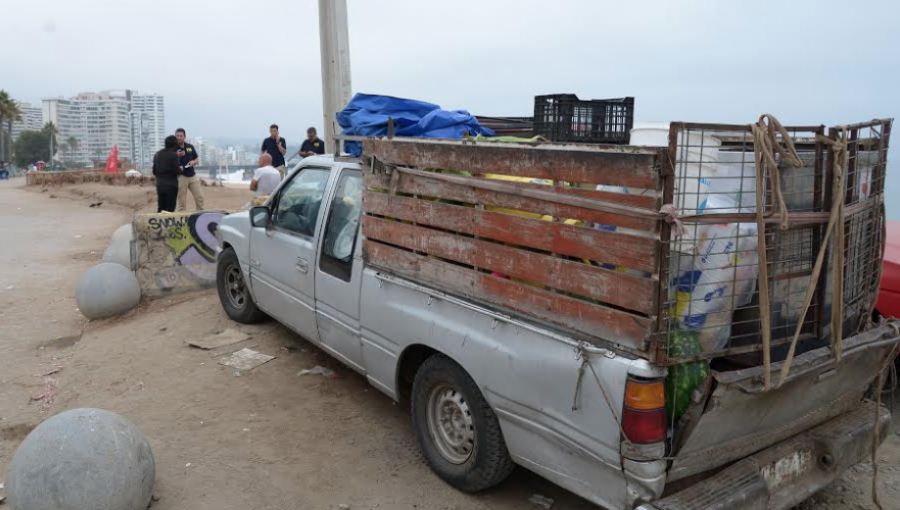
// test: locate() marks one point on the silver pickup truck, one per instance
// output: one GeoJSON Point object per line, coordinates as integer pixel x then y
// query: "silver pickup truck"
{"type": "Point", "coordinates": [489, 389]}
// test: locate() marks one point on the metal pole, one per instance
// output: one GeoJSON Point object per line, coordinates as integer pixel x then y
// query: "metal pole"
{"type": "Point", "coordinates": [335, 57]}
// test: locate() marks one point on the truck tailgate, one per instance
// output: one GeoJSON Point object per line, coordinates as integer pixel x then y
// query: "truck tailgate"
{"type": "Point", "coordinates": [741, 419]}
{"type": "Point", "coordinates": [783, 475]}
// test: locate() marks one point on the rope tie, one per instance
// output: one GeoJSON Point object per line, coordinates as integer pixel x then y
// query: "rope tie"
{"type": "Point", "coordinates": [670, 213]}
{"type": "Point", "coordinates": [765, 146]}
{"type": "Point", "coordinates": [834, 228]}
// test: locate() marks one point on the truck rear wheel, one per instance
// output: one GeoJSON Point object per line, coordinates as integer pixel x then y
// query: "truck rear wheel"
{"type": "Point", "coordinates": [458, 432]}
{"type": "Point", "coordinates": [233, 291]}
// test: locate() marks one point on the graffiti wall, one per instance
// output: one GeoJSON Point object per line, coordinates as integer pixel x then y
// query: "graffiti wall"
{"type": "Point", "coordinates": [176, 252]}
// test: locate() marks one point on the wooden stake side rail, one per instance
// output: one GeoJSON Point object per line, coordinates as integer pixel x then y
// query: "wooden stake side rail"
{"type": "Point", "coordinates": [615, 326]}
{"type": "Point", "coordinates": [633, 252]}
{"type": "Point", "coordinates": [622, 289]}
{"type": "Point", "coordinates": [497, 247]}
{"type": "Point", "coordinates": [469, 194]}
{"type": "Point", "coordinates": [635, 167]}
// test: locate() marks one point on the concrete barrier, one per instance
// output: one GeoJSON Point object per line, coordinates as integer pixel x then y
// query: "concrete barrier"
{"type": "Point", "coordinates": [175, 252]}
{"type": "Point", "coordinates": [58, 178]}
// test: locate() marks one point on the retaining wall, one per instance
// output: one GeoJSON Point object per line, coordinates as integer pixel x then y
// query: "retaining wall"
{"type": "Point", "coordinates": [175, 252]}
{"type": "Point", "coordinates": [85, 176]}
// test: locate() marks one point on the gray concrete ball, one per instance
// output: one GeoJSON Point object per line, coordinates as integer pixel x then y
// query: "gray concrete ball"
{"type": "Point", "coordinates": [82, 459]}
{"type": "Point", "coordinates": [107, 289]}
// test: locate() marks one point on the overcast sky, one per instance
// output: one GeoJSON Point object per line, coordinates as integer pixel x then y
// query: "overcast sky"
{"type": "Point", "coordinates": [229, 68]}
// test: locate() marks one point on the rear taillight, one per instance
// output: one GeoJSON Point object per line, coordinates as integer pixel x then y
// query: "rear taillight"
{"type": "Point", "coordinates": [644, 414]}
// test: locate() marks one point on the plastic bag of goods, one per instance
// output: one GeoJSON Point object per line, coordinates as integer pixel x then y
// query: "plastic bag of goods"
{"type": "Point", "coordinates": [711, 283]}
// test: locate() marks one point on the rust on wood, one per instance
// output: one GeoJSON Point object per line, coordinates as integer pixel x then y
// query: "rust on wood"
{"type": "Point", "coordinates": [424, 187]}
{"type": "Point", "coordinates": [634, 167]}
{"type": "Point", "coordinates": [633, 252]}
{"type": "Point", "coordinates": [613, 287]}
{"type": "Point", "coordinates": [596, 321]}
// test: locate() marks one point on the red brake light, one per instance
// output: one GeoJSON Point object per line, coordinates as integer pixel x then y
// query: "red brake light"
{"type": "Point", "coordinates": [644, 427]}
{"type": "Point", "coordinates": [644, 414]}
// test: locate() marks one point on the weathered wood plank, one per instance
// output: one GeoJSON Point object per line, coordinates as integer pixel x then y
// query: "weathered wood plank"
{"type": "Point", "coordinates": [620, 166]}
{"type": "Point", "coordinates": [449, 191]}
{"type": "Point", "coordinates": [620, 289]}
{"type": "Point", "coordinates": [594, 320]}
{"type": "Point", "coordinates": [598, 245]}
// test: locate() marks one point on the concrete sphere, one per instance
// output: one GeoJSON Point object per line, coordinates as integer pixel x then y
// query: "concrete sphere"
{"type": "Point", "coordinates": [107, 289]}
{"type": "Point", "coordinates": [83, 459]}
{"type": "Point", "coordinates": [118, 251]}
{"type": "Point", "coordinates": [122, 233]}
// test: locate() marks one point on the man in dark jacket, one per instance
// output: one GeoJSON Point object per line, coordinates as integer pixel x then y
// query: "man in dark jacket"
{"type": "Point", "coordinates": [167, 168]}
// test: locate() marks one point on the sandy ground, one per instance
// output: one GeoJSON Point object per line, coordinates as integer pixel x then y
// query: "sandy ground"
{"type": "Point", "coordinates": [267, 439]}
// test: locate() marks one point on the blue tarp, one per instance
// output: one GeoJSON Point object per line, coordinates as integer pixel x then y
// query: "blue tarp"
{"type": "Point", "coordinates": [367, 115]}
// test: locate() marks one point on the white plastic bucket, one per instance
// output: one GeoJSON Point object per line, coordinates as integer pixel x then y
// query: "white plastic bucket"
{"type": "Point", "coordinates": [697, 163]}
{"type": "Point", "coordinates": [736, 179]}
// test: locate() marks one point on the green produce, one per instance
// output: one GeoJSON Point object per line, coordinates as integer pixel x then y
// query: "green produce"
{"type": "Point", "coordinates": [683, 379]}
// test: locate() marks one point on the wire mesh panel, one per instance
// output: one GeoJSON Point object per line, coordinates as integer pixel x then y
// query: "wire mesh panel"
{"type": "Point", "coordinates": [711, 298]}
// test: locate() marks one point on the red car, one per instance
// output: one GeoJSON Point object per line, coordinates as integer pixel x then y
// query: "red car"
{"type": "Point", "coordinates": [888, 303]}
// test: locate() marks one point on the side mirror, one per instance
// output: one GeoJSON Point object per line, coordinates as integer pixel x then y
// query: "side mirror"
{"type": "Point", "coordinates": [259, 216]}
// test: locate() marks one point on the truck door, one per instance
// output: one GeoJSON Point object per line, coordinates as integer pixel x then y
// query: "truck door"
{"type": "Point", "coordinates": [339, 271]}
{"type": "Point", "coordinates": [282, 256]}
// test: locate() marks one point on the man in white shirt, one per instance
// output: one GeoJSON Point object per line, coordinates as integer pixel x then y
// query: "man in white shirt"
{"type": "Point", "coordinates": [266, 178]}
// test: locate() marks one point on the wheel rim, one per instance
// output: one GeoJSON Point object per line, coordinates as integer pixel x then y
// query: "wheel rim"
{"type": "Point", "coordinates": [450, 424]}
{"type": "Point", "coordinates": [235, 288]}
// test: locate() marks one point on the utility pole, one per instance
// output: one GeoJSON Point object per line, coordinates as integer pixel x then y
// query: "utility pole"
{"type": "Point", "coordinates": [335, 50]}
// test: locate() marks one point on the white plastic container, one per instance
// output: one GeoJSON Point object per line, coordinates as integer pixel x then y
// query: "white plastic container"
{"type": "Point", "coordinates": [697, 163]}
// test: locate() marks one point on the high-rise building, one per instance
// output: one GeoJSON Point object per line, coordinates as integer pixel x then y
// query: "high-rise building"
{"type": "Point", "coordinates": [96, 122]}
{"type": "Point", "coordinates": [32, 119]}
{"type": "Point", "coordinates": [148, 124]}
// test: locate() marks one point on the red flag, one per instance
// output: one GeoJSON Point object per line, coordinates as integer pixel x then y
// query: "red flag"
{"type": "Point", "coordinates": [112, 161]}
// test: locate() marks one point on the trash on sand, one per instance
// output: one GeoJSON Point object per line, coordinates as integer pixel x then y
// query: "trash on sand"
{"type": "Point", "coordinates": [541, 501]}
{"type": "Point", "coordinates": [47, 395]}
{"type": "Point", "coordinates": [228, 349]}
{"type": "Point", "coordinates": [11, 287]}
{"type": "Point", "coordinates": [56, 369]}
{"type": "Point", "coordinates": [288, 348]}
{"type": "Point", "coordinates": [245, 359]}
{"type": "Point", "coordinates": [319, 370]}
{"type": "Point", "coordinates": [343, 506]}
{"type": "Point", "coordinates": [220, 339]}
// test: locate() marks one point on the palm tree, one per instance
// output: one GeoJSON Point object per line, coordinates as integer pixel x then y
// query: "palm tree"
{"type": "Point", "coordinates": [5, 100]}
{"type": "Point", "coordinates": [71, 146]}
{"type": "Point", "coordinates": [13, 114]}
{"type": "Point", "coordinates": [50, 129]}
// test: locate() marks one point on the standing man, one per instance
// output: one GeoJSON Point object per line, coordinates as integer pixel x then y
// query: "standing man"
{"type": "Point", "coordinates": [276, 147]}
{"type": "Point", "coordinates": [312, 145]}
{"type": "Point", "coordinates": [188, 180]}
{"type": "Point", "coordinates": [166, 169]}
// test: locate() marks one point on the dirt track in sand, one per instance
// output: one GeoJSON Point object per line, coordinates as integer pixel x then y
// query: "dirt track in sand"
{"type": "Point", "coordinates": [269, 439]}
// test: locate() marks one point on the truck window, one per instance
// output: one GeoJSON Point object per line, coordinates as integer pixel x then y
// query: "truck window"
{"type": "Point", "coordinates": [298, 203]}
{"type": "Point", "coordinates": [339, 241]}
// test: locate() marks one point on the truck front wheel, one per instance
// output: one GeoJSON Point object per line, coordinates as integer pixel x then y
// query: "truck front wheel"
{"type": "Point", "coordinates": [233, 291]}
{"type": "Point", "coordinates": [458, 432]}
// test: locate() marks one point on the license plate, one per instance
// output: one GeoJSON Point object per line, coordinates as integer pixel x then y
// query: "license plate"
{"type": "Point", "coordinates": [787, 469]}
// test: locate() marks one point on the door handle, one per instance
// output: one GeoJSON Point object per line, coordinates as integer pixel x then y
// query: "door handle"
{"type": "Point", "coordinates": [302, 265]}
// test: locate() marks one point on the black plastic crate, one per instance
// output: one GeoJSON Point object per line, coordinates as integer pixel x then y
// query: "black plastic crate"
{"type": "Point", "coordinates": [565, 118]}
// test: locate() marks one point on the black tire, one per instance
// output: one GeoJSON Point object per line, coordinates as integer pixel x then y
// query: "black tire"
{"type": "Point", "coordinates": [488, 462]}
{"type": "Point", "coordinates": [242, 309]}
